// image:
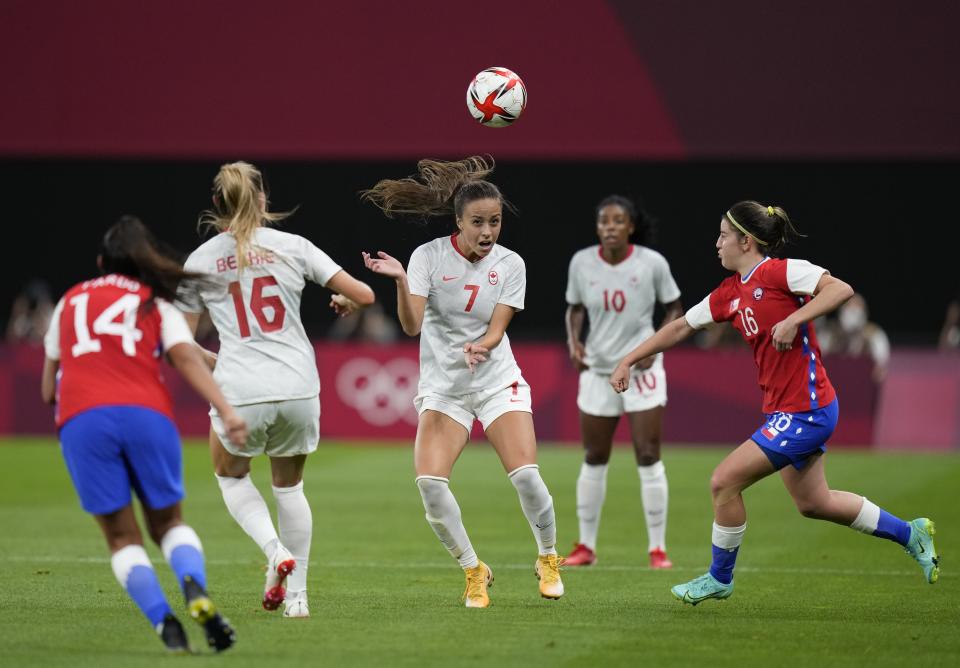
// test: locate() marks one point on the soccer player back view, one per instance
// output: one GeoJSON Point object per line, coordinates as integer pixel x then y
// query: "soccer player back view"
{"type": "Point", "coordinates": [114, 419]}
{"type": "Point", "coordinates": [772, 303]}
{"type": "Point", "coordinates": [266, 366]}
{"type": "Point", "coordinates": [460, 293]}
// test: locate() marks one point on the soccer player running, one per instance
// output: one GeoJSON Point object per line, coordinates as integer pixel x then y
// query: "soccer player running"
{"type": "Point", "coordinates": [266, 366]}
{"type": "Point", "coordinates": [772, 302]}
{"type": "Point", "coordinates": [114, 418]}
{"type": "Point", "coordinates": [459, 294]}
{"type": "Point", "coordinates": [617, 285]}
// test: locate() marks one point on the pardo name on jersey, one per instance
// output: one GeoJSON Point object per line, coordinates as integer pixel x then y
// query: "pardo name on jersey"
{"type": "Point", "coordinates": [114, 280]}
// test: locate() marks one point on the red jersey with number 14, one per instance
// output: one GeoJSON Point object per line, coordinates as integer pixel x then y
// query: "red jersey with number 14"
{"type": "Point", "coordinates": [793, 380]}
{"type": "Point", "coordinates": [109, 342]}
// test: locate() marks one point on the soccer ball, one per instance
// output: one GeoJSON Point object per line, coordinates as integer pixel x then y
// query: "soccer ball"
{"type": "Point", "coordinates": [496, 97]}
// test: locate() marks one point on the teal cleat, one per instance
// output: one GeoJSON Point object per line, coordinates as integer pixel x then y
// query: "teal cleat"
{"type": "Point", "coordinates": [920, 547]}
{"type": "Point", "coordinates": [701, 588]}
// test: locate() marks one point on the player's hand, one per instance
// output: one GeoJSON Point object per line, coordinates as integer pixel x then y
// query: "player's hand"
{"type": "Point", "coordinates": [473, 355]}
{"type": "Point", "coordinates": [344, 306]}
{"type": "Point", "coordinates": [783, 334]}
{"type": "Point", "coordinates": [620, 378]}
{"type": "Point", "coordinates": [383, 264]}
{"type": "Point", "coordinates": [577, 354]}
{"type": "Point", "coordinates": [236, 428]}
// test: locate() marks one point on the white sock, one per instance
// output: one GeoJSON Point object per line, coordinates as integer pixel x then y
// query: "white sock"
{"type": "Point", "coordinates": [537, 505]}
{"type": "Point", "coordinates": [125, 559]}
{"type": "Point", "coordinates": [653, 492]}
{"type": "Point", "coordinates": [295, 521]}
{"type": "Point", "coordinates": [868, 518]}
{"type": "Point", "coordinates": [443, 515]}
{"type": "Point", "coordinates": [728, 538]}
{"type": "Point", "coordinates": [591, 491]}
{"type": "Point", "coordinates": [248, 508]}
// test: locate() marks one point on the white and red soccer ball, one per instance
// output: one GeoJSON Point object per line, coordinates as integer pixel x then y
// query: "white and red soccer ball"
{"type": "Point", "coordinates": [496, 97]}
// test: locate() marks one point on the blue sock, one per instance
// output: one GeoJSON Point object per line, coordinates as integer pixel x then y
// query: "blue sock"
{"type": "Point", "coordinates": [182, 550]}
{"type": "Point", "coordinates": [144, 589]}
{"type": "Point", "coordinates": [723, 563]}
{"type": "Point", "coordinates": [188, 560]}
{"type": "Point", "coordinates": [892, 528]}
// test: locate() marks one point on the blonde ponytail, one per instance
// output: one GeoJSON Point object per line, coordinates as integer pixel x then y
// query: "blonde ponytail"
{"type": "Point", "coordinates": [238, 208]}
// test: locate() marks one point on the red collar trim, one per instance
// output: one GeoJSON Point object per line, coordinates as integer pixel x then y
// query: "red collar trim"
{"type": "Point", "coordinates": [614, 264]}
{"type": "Point", "coordinates": [453, 242]}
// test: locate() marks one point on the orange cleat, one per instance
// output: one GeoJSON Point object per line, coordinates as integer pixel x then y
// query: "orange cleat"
{"type": "Point", "coordinates": [581, 556]}
{"type": "Point", "coordinates": [659, 559]}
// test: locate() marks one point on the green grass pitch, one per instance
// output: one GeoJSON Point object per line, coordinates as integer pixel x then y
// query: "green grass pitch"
{"type": "Point", "coordinates": [383, 592]}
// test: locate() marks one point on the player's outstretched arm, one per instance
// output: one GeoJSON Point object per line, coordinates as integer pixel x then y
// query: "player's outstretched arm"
{"type": "Point", "coordinates": [351, 295]}
{"type": "Point", "coordinates": [410, 307]}
{"type": "Point", "coordinates": [666, 337]}
{"type": "Point", "coordinates": [187, 358]}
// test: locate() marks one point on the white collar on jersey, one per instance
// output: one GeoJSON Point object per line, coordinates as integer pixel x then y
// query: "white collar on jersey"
{"type": "Point", "coordinates": [746, 278]}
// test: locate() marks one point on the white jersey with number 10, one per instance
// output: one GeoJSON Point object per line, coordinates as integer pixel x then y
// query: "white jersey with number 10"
{"type": "Point", "coordinates": [461, 296]}
{"type": "Point", "coordinates": [619, 299]}
{"type": "Point", "coordinates": [265, 354]}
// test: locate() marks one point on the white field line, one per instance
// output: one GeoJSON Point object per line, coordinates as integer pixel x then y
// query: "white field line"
{"type": "Point", "coordinates": [435, 565]}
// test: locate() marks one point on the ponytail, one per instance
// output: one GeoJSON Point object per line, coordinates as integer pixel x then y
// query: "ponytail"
{"type": "Point", "coordinates": [438, 188]}
{"type": "Point", "coordinates": [769, 226]}
{"type": "Point", "coordinates": [240, 206]}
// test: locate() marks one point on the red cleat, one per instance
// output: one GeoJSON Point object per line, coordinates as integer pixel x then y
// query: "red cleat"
{"type": "Point", "coordinates": [659, 559]}
{"type": "Point", "coordinates": [581, 556]}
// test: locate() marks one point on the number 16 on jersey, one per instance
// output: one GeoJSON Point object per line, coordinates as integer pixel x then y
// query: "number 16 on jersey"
{"type": "Point", "coordinates": [258, 305]}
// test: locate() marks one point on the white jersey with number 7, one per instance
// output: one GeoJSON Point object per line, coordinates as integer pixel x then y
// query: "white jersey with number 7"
{"type": "Point", "coordinates": [265, 354]}
{"type": "Point", "coordinates": [461, 296]}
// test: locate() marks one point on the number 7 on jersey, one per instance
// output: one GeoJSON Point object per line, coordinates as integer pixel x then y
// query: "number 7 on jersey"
{"type": "Point", "coordinates": [474, 290]}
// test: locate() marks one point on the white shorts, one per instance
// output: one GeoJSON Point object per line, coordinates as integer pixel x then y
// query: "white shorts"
{"type": "Point", "coordinates": [275, 428]}
{"type": "Point", "coordinates": [515, 397]}
{"type": "Point", "coordinates": [648, 389]}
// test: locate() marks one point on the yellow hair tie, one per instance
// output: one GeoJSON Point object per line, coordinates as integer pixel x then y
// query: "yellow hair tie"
{"type": "Point", "coordinates": [770, 211]}
{"type": "Point", "coordinates": [744, 230]}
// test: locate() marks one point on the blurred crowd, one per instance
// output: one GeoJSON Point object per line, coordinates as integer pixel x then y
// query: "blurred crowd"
{"type": "Point", "coordinates": [849, 331]}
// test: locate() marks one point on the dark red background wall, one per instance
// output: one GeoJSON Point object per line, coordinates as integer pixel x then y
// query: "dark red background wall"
{"type": "Point", "coordinates": [365, 79]}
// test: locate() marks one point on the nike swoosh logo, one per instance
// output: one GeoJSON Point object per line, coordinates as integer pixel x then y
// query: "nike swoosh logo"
{"type": "Point", "coordinates": [516, 401]}
{"type": "Point", "coordinates": [920, 545]}
{"type": "Point", "coordinates": [449, 278]}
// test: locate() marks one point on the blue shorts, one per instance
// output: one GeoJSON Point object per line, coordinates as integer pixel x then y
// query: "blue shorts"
{"type": "Point", "coordinates": [792, 438]}
{"type": "Point", "coordinates": [111, 449]}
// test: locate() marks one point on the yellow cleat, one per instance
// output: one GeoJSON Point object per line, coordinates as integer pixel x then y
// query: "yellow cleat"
{"type": "Point", "coordinates": [478, 579]}
{"type": "Point", "coordinates": [547, 570]}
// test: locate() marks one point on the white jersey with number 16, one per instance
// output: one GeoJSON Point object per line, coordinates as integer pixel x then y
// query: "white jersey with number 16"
{"type": "Point", "coordinates": [264, 351]}
{"type": "Point", "coordinates": [461, 296]}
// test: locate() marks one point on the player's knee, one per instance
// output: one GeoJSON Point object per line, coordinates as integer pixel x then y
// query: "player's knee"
{"type": "Point", "coordinates": [596, 457]}
{"type": "Point", "coordinates": [811, 508]}
{"type": "Point", "coordinates": [720, 485]}
{"type": "Point", "coordinates": [433, 491]}
{"type": "Point", "coordinates": [529, 484]}
{"type": "Point", "coordinates": [647, 459]}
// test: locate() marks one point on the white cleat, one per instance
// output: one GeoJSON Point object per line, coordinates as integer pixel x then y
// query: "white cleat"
{"type": "Point", "coordinates": [282, 565]}
{"type": "Point", "coordinates": [296, 606]}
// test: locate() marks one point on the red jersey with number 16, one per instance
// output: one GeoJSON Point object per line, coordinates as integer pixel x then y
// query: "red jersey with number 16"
{"type": "Point", "coordinates": [109, 343]}
{"type": "Point", "coordinates": [793, 380]}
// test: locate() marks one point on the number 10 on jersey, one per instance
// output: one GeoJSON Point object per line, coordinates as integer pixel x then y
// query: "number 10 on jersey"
{"type": "Point", "coordinates": [258, 305]}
